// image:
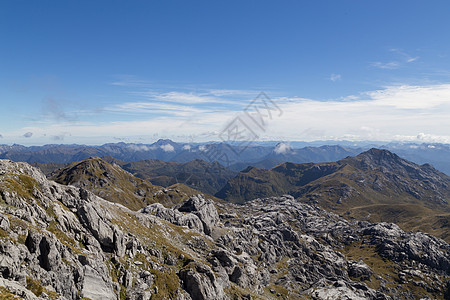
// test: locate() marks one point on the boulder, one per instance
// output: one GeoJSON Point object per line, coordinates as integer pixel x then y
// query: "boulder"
{"type": "Point", "coordinates": [200, 282]}
{"type": "Point", "coordinates": [204, 210]}
{"type": "Point", "coordinates": [358, 269]}
{"type": "Point", "coordinates": [174, 216]}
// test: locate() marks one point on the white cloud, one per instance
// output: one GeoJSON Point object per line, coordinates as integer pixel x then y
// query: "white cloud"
{"type": "Point", "coordinates": [393, 113]}
{"type": "Point", "coordinates": [431, 138]}
{"type": "Point", "coordinates": [138, 148]}
{"type": "Point", "coordinates": [412, 97]}
{"type": "Point", "coordinates": [187, 147]}
{"type": "Point", "coordinates": [167, 148]}
{"type": "Point", "coordinates": [282, 148]}
{"type": "Point", "coordinates": [335, 77]}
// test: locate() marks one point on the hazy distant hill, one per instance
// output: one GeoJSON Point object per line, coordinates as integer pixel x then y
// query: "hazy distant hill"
{"type": "Point", "coordinates": [284, 153]}
{"type": "Point", "coordinates": [260, 155]}
{"type": "Point", "coordinates": [376, 185]}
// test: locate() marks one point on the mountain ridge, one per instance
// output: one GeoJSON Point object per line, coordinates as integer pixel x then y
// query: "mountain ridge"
{"type": "Point", "coordinates": [355, 186]}
{"type": "Point", "coordinates": [115, 184]}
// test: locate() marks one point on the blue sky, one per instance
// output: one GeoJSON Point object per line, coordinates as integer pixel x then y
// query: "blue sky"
{"type": "Point", "coordinates": [104, 71]}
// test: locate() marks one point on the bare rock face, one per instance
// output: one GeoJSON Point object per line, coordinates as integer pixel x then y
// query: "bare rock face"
{"type": "Point", "coordinates": [204, 210]}
{"type": "Point", "coordinates": [94, 218]}
{"type": "Point", "coordinates": [63, 242]}
{"type": "Point", "coordinates": [95, 287]}
{"type": "Point", "coordinates": [174, 216]}
{"type": "Point", "coordinates": [200, 282]}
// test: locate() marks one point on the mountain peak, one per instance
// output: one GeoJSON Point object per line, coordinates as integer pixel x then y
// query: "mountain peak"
{"type": "Point", "coordinates": [380, 153]}
{"type": "Point", "coordinates": [381, 158]}
{"type": "Point", "coordinates": [164, 142]}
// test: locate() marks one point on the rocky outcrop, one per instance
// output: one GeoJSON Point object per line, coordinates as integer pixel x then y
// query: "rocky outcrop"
{"type": "Point", "coordinates": [195, 213]}
{"type": "Point", "coordinates": [358, 269]}
{"type": "Point", "coordinates": [394, 244]}
{"type": "Point", "coordinates": [174, 216]}
{"type": "Point", "coordinates": [204, 210]}
{"type": "Point", "coordinates": [344, 290]}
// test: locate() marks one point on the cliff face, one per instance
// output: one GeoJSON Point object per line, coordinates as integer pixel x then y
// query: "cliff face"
{"type": "Point", "coordinates": [63, 242]}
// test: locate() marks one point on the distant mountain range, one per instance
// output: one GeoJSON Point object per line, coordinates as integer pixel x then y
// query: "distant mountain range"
{"type": "Point", "coordinates": [235, 158]}
{"type": "Point", "coordinates": [376, 185]}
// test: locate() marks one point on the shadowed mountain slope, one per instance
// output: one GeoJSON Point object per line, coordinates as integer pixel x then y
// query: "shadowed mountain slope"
{"type": "Point", "coordinates": [114, 184]}
{"type": "Point", "coordinates": [201, 175]}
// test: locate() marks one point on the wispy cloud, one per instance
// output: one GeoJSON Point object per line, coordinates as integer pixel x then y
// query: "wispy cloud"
{"type": "Point", "coordinates": [181, 97]}
{"type": "Point", "coordinates": [28, 134]}
{"type": "Point", "coordinates": [183, 104]}
{"type": "Point", "coordinates": [55, 109]}
{"type": "Point", "coordinates": [335, 77]}
{"type": "Point", "coordinates": [156, 108]}
{"type": "Point", "coordinates": [401, 58]}
{"type": "Point", "coordinates": [132, 81]}
{"type": "Point", "coordinates": [405, 56]}
{"type": "Point", "coordinates": [386, 65]}
{"type": "Point", "coordinates": [59, 137]}
{"type": "Point", "coordinates": [412, 59]}
{"type": "Point", "coordinates": [224, 92]}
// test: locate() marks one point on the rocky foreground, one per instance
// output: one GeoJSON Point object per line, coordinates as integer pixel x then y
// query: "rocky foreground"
{"type": "Point", "coordinates": [63, 242]}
